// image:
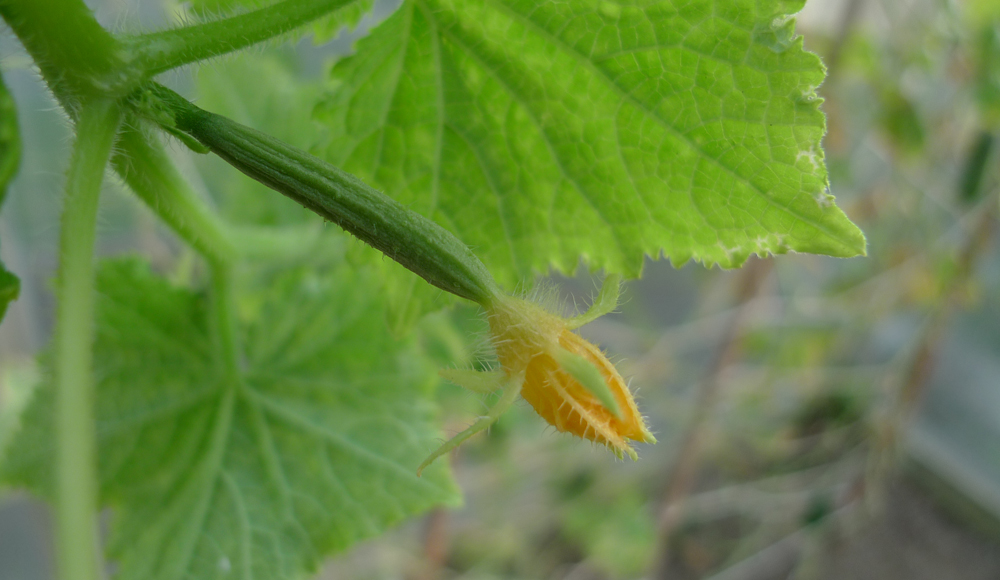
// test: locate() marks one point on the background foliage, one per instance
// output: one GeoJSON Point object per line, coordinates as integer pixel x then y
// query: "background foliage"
{"type": "Point", "coordinates": [795, 379]}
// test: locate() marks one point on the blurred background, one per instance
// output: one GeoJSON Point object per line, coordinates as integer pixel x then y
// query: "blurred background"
{"type": "Point", "coordinates": [818, 418]}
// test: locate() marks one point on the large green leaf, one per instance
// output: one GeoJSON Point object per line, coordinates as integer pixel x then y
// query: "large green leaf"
{"type": "Point", "coordinates": [314, 447]}
{"type": "Point", "coordinates": [10, 159]}
{"type": "Point", "coordinates": [543, 132]}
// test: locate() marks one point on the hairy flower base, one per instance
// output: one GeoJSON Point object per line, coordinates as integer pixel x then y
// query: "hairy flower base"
{"type": "Point", "coordinates": [527, 340]}
{"type": "Point", "coordinates": [568, 380]}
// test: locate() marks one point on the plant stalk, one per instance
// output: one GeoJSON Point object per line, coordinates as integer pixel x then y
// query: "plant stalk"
{"type": "Point", "coordinates": [77, 57]}
{"type": "Point", "coordinates": [161, 51]}
{"type": "Point", "coordinates": [148, 171]}
{"type": "Point", "coordinates": [224, 322]}
{"type": "Point", "coordinates": [76, 455]}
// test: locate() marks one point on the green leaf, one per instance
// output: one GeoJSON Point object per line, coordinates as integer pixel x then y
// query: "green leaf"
{"type": "Point", "coordinates": [313, 448]}
{"type": "Point", "coordinates": [546, 132]}
{"type": "Point", "coordinates": [987, 66]}
{"type": "Point", "coordinates": [617, 533]}
{"type": "Point", "coordinates": [408, 297]}
{"type": "Point", "coordinates": [10, 159]}
{"type": "Point", "coordinates": [10, 289]}
{"type": "Point", "coordinates": [283, 110]}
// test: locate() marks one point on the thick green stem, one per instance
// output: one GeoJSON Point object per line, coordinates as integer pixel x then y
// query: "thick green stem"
{"type": "Point", "coordinates": [160, 51]}
{"type": "Point", "coordinates": [224, 322]}
{"type": "Point", "coordinates": [144, 165]}
{"type": "Point", "coordinates": [76, 56]}
{"type": "Point", "coordinates": [76, 456]}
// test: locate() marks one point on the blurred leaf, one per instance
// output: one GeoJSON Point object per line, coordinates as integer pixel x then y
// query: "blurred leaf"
{"type": "Point", "coordinates": [790, 347]}
{"type": "Point", "coordinates": [981, 12]}
{"type": "Point", "coordinates": [828, 410]}
{"type": "Point", "coordinates": [862, 56]}
{"type": "Point", "coordinates": [10, 159]}
{"type": "Point", "coordinates": [820, 506]}
{"type": "Point", "coordinates": [901, 121]}
{"type": "Point", "coordinates": [618, 533]}
{"type": "Point", "coordinates": [543, 132]}
{"type": "Point", "coordinates": [10, 289]}
{"type": "Point", "coordinates": [283, 110]}
{"type": "Point", "coordinates": [10, 140]}
{"type": "Point", "coordinates": [988, 71]}
{"type": "Point", "coordinates": [19, 381]}
{"type": "Point", "coordinates": [311, 449]}
{"type": "Point", "coordinates": [976, 162]}
{"type": "Point", "coordinates": [444, 336]}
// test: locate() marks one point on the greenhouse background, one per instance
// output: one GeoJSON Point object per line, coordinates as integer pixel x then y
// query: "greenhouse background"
{"type": "Point", "coordinates": [818, 418]}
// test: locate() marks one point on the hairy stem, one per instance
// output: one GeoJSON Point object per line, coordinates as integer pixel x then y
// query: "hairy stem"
{"type": "Point", "coordinates": [224, 321]}
{"type": "Point", "coordinates": [161, 51]}
{"type": "Point", "coordinates": [76, 56]}
{"type": "Point", "coordinates": [76, 457]}
{"type": "Point", "coordinates": [149, 172]}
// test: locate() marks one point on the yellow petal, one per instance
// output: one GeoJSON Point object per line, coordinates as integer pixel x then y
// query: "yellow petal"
{"type": "Point", "coordinates": [530, 339]}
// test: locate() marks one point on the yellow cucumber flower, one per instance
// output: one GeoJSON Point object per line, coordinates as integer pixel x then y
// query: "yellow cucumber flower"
{"type": "Point", "coordinates": [567, 379]}
{"type": "Point", "coordinates": [556, 362]}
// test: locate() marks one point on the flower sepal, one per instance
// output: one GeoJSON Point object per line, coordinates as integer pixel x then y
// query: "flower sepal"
{"type": "Point", "coordinates": [567, 380]}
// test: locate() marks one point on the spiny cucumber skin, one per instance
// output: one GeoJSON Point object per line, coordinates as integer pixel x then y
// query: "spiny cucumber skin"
{"type": "Point", "coordinates": [407, 237]}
